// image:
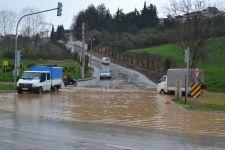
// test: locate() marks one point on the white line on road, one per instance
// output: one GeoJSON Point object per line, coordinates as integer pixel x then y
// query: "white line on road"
{"type": "Point", "coordinates": [121, 147]}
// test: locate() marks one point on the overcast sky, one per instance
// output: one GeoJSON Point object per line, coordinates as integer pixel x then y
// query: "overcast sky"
{"type": "Point", "coordinates": [72, 7]}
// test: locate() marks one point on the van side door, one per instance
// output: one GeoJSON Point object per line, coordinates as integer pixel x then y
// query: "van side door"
{"type": "Point", "coordinates": [43, 81]}
{"type": "Point", "coordinates": [48, 82]}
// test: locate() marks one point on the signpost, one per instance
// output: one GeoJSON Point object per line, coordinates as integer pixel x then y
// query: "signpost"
{"type": "Point", "coordinates": [196, 90]}
{"type": "Point", "coordinates": [187, 73]}
{"type": "Point", "coordinates": [196, 87]}
{"type": "Point", "coordinates": [5, 65]}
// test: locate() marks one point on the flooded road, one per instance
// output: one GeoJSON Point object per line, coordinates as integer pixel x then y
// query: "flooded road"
{"type": "Point", "coordinates": [124, 113]}
{"type": "Point", "coordinates": [136, 108]}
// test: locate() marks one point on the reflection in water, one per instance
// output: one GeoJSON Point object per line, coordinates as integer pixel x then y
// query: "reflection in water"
{"type": "Point", "coordinates": [133, 108]}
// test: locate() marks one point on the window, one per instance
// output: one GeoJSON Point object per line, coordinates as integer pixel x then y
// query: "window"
{"type": "Point", "coordinates": [48, 76]}
{"type": "Point", "coordinates": [43, 77]}
{"type": "Point", "coordinates": [163, 79]}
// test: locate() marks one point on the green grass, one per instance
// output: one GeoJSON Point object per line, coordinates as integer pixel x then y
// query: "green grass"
{"type": "Point", "coordinates": [201, 106]}
{"type": "Point", "coordinates": [8, 77]}
{"type": "Point", "coordinates": [213, 64]}
{"type": "Point", "coordinates": [6, 86]}
{"type": "Point", "coordinates": [168, 50]}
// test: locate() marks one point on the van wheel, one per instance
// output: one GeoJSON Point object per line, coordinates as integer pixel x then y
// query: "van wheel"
{"type": "Point", "coordinates": [53, 88]}
{"type": "Point", "coordinates": [162, 92]}
{"type": "Point", "coordinates": [19, 91]}
{"type": "Point", "coordinates": [40, 90]}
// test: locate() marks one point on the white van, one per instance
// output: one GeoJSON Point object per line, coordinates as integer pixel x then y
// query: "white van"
{"type": "Point", "coordinates": [39, 79]}
{"type": "Point", "coordinates": [105, 60]}
{"type": "Point", "coordinates": [167, 83]}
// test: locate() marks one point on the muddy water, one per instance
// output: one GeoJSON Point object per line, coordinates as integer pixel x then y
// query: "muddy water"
{"type": "Point", "coordinates": [133, 108]}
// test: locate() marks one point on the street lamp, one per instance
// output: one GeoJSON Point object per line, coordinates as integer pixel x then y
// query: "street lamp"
{"type": "Point", "coordinates": [92, 40]}
{"type": "Point", "coordinates": [17, 64]}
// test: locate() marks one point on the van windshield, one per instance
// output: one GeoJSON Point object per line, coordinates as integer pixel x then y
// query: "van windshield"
{"type": "Point", "coordinates": [105, 71]}
{"type": "Point", "coordinates": [163, 79]}
{"type": "Point", "coordinates": [31, 75]}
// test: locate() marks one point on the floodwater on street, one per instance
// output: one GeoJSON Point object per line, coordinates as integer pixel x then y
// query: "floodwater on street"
{"type": "Point", "coordinates": [128, 107]}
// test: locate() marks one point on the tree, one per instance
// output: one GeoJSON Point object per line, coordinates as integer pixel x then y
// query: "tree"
{"type": "Point", "coordinates": [194, 27]}
{"type": "Point", "coordinates": [149, 16]}
{"type": "Point", "coordinates": [86, 63]}
{"type": "Point", "coordinates": [60, 33]}
{"type": "Point", "coordinates": [7, 22]}
{"type": "Point", "coordinates": [52, 35]}
{"type": "Point", "coordinates": [31, 25]}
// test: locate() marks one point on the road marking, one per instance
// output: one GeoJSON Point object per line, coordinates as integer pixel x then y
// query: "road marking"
{"type": "Point", "coordinates": [121, 147]}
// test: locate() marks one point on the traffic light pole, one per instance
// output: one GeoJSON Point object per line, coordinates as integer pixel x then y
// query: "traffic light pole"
{"type": "Point", "coordinates": [83, 50]}
{"type": "Point", "coordinates": [92, 40]}
{"type": "Point", "coordinates": [15, 72]}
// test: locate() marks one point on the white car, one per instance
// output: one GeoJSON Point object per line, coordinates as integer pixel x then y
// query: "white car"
{"type": "Point", "coordinates": [105, 60]}
{"type": "Point", "coordinates": [105, 74]}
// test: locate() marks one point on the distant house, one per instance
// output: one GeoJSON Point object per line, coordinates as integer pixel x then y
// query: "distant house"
{"type": "Point", "coordinates": [69, 35]}
{"type": "Point", "coordinates": [161, 21]}
{"type": "Point", "coordinates": [208, 12]}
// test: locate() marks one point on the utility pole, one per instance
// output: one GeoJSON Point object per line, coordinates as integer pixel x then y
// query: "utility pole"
{"type": "Point", "coordinates": [83, 50]}
{"type": "Point", "coordinates": [92, 40]}
{"type": "Point", "coordinates": [186, 74]}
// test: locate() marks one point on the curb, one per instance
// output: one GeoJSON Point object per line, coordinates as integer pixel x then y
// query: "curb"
{"type": "Point", "coordinates": [7, 91]}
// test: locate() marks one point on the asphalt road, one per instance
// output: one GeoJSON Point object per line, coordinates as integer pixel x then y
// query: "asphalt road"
{"type": "Point", "coordinates": [30, 133]}
{"type": "Point", "coordinates": [122, 78]}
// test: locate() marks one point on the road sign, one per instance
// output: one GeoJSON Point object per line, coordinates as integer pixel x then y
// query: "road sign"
{"type": "Point", "coordinates": [196, 90]}
{"type": "Point", "coordinates": [197, 72]}
{"type": "Point", "coordinates": [186, 55]}
{"type": "Point", "coordinates": [5, 63]}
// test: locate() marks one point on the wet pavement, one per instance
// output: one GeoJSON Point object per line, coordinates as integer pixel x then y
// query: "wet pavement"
{"type": "Point", "coordinates": [122, 113]}
{"type": "Point", "coordinates": [137, 108]}
{"type": "Point", "coordinates": [32, 133]}
{"type": "Point", "coordinates": [83, 118]}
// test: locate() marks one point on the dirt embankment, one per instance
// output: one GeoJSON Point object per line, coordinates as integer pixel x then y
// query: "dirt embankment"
{"type": "Point", "coordinates": [151, 65]}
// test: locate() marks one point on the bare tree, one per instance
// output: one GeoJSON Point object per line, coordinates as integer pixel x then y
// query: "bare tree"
{"type": "Point", "coordinates": [7, 22]}
{"type": "Point", "coordinates": [195, 24]}
{"type": "Point", "coordinates": [31, 25]}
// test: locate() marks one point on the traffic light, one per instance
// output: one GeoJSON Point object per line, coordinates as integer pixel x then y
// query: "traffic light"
{"type": "Point", "coordinates": [59, 10]}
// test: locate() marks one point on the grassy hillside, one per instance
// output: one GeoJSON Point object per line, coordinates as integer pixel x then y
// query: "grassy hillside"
{"type": "Point", "coordinates": [213, 64]}
{"type": "Point", "coordinates": [168, 50]}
